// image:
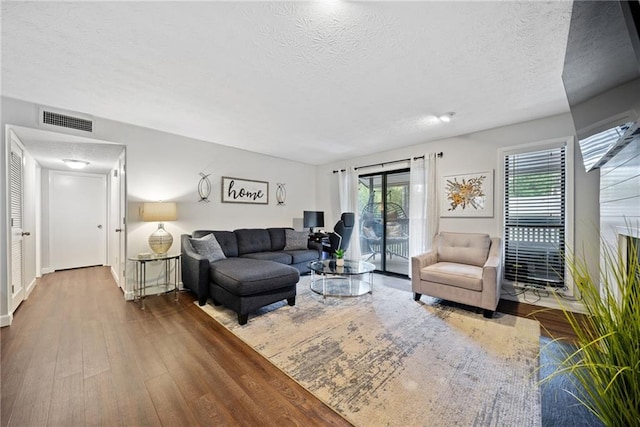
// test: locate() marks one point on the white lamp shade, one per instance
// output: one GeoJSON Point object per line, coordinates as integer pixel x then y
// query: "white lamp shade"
{"type": "Point", "coordinates": [159, 211]}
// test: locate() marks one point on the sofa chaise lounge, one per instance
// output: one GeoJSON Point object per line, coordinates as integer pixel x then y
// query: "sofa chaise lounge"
{"type": "Point", "coordinates": [249, 269]}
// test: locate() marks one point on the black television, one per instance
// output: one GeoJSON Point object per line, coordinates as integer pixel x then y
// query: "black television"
{"type": "Point", "coordinates": [311, 219]}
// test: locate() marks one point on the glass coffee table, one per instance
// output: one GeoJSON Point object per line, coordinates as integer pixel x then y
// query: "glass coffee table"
{"type": "Point", "coordinates": [354, 278]}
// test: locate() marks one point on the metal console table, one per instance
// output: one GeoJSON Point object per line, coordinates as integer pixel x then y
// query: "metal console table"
{"type": "Point", "coordinates": [140, 286]}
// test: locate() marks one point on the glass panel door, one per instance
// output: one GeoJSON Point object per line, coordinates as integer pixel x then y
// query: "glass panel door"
{"type": "Point", "coordinates": [384, 224]}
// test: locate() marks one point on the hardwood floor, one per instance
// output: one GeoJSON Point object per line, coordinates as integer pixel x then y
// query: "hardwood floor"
{"type": "Point", "coordinates": [78, 354]}
{"type": "Point", "coordinates": [552, 322]}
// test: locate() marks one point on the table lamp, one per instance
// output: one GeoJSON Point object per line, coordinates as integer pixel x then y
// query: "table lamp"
{"type": "Point", "coordinates": [160, 240]}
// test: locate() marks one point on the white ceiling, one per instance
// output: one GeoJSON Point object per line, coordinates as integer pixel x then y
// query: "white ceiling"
{"type": "Point", "coordinates": [307, 81]}
{"type": "Point", "coordinates": [50, 148]}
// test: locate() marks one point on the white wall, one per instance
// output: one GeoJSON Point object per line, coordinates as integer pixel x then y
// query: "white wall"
{"type": "Point", "coordinates": [478, 152]}
{"type": "Point", "coordinates": [620, 197]}
{"type": "Point", "coordinates": [162, 166]}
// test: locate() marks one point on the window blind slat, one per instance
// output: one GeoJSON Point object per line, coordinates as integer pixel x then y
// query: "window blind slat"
{"type": "Point", "coordinates": [534, 217]}
{"type": "Point", "coordinates": [16, 190]}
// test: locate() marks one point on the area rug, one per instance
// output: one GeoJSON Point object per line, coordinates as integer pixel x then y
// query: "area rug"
{"type": "Point", "coordinates": [385, 360]}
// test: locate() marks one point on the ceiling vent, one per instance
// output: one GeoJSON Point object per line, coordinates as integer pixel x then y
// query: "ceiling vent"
{"type": "Point", "coordinates": [66, 120]}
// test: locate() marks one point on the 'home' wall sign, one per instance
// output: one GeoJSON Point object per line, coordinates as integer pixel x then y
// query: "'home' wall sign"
{"type": "Point", "coordinates": [237, 190]}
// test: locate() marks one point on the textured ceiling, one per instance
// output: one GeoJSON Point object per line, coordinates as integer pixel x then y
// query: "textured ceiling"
{"type": "Point", "coordinates": [49, 148]}
{"type": "Point", "coordinates": [308, 81]}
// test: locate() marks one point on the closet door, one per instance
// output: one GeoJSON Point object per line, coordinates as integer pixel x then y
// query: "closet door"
{"type": "Point", "coordinates": [16, 219]}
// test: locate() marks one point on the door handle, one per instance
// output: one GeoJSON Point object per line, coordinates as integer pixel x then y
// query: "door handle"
{"type": "Point", "coordinates": [118, 230]}
{"type": "Point", "coordinates": [25, 233]}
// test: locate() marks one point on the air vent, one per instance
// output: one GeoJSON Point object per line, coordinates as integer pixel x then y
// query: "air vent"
{"type": "Point", "coordinates": [66, 121]}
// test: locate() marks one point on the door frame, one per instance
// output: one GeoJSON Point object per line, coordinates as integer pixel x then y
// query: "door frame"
{"type": "Point", "coordinates": [383, 245]}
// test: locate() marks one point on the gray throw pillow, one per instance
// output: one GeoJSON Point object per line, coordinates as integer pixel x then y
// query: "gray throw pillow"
{"type": "Point", "coordinates": [208, 247]}
{"type": "Point", "coordinates": [295, 240]}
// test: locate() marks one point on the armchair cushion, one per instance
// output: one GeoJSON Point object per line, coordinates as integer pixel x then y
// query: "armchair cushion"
{"type": "Point", "coordinates": [452, 274]}
{"type": "Point", "coordinates": [464, 248]}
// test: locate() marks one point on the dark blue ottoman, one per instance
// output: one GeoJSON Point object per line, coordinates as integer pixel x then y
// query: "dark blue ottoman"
{"type": "Point", "coordinates": [244, 285]}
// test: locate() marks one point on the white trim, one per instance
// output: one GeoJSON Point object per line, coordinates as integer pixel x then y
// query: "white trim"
{"type": "Point", "coordinates": [568, 143]}
{"type": "Point", "coordinates": [6, 320]}
{"type": "Point", "coordinates": [30, 288]}
{"type": "Point", "coordinates": [628, 231]}
{"type": "Point", "coordinates": [47, 270]}
{"type": "Point", "coordinates": [128, 296]}
{"type": "Point", "coordinates": [38, 224]}
{"type": "Point", "coordinates": [114, 275]}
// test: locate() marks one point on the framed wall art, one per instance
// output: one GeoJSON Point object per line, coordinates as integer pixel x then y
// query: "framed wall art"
{"type": "Point", "coordinates": [469, 195]}
{"type": "Point", "coordinates": [238, 190]}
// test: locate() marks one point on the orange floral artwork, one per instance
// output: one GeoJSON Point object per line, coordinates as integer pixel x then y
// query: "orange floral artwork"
{"type": "Point", "coordinates": [466, 193]}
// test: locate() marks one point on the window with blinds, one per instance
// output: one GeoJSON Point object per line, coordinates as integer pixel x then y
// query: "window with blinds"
{"type": "Point", "coordinates": [534, 218]}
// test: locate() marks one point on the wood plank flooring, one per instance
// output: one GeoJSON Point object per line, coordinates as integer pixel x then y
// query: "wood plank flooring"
{"type": "Point", "coordinates": [78, 354]}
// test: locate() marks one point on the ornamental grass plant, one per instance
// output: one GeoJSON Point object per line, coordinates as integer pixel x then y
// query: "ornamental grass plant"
{"type": "Point", "coordinates": [606, 360]}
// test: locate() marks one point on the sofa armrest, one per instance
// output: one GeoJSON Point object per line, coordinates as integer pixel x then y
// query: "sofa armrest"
{"type": "Point", "coordinates": [420, 261]}
{"type": "Point", "coordinates": [492, 272]}
{"type": "Point", "coordinates": [315, 246]}
{"type": "Point", "coordinates": [195, 270]}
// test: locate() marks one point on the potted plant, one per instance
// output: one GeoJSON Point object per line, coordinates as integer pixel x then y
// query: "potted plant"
{"type": "Point", "coordinates": [339, 257]}
{"type": "Point", "coordinates": [606, 362]}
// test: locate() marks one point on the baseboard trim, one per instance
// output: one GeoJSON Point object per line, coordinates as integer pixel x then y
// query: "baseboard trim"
{"type": "Point", "coordinates": [30, 288]}
{"type": "Point", "coordinates": [6, 320]}
{"type": "Point", "coordinates": [47, 270]}
{"type": "Point", "coordinates": [114, 274]}
{"type": "Point", "coordinates": [547, 301]}
{"type": "Point", "coordinates": [128, 296]}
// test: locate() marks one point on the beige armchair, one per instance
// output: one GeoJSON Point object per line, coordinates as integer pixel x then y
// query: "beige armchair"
{"type": "Point", "coordinates": [460, 267]}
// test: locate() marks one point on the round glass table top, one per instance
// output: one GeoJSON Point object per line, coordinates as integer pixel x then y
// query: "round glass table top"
{"type": "Point", "coordinates": [328, 266]}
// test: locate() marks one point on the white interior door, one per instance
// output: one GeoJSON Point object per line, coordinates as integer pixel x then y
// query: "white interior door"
{"type": "Point", "coordinates": [17, 209]}
{"type": "Point", "coordinates": [78, 219]}
{"type": "Point", "coordinates": [123, 223]}
{"type": "Point", "coordinates": [117, 230]}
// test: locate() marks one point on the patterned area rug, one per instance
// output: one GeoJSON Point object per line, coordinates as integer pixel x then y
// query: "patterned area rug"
{"type": "Point", "coordinates": [385, 360]}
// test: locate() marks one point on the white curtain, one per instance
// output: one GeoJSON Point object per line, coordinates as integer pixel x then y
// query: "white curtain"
{"type": "Point", "coordinates": [423, 205]}
{"type": "Point", "coordinates": [348, 188]}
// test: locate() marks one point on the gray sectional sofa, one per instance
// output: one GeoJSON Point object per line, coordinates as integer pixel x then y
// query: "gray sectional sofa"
{"type": "Point", "coordinates": [251, 268]}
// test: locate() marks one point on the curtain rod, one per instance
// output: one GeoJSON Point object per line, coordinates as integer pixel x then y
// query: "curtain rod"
{"type": "Point", "coordinates": [440, 154]}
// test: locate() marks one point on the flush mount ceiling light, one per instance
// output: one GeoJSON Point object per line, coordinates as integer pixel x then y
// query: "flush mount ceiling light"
{"type": "Point", "coordinates": [446, 117]}
{"type": "Point", "coordinates": [75, 164]}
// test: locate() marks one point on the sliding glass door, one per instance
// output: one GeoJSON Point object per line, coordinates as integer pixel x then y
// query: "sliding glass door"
{"type": "Point", "coordinates": [384, 224]}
